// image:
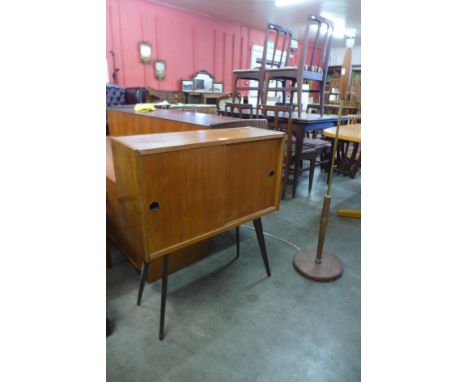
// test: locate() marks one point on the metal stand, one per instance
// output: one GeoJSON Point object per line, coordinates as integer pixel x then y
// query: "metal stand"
{"type": "Point", "coordinates": [237, 243]}
{"type": "Point", "coordinates": [261, 243]}
{"type": "Point", "coordinates": [165, 272]}
{"type": "Point", "coordinates": [144, 272]}
{"type": "Point", "coordinates": [108, 328]}
{"type": "Point", "coordinates": [315, 264]}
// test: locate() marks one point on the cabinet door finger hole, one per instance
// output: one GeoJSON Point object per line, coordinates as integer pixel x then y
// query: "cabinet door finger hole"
{"type": "Point", "coordinates": [153, 206]}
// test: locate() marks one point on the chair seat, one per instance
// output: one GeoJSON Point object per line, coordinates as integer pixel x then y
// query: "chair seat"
{"type": "Point", "coordinates": [282, 68]}
{"type": "Point", "coordinates": [316, 142]}
{"type": "Point", "coordinates": [246, 70]}
{"type": "Point", "coordinates": [314, 69]}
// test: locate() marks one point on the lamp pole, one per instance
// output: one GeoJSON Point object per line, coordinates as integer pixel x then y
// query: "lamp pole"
{"type": "Point", "coordinates": [317, 264]}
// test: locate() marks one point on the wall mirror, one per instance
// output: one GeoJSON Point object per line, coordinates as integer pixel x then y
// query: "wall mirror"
{"type": "Point", "coordinates": [145, 52]}
{"type": "Point", "coordinates": [203, 81]}
{"type": "Point", "coordinates": [160, 69]}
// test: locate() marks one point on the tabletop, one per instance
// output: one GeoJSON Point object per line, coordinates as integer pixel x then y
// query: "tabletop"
{"type": "Point", "coordinates": [164, 142]}
{"type": "Point", "coordinates": [335, 107]}
{"type": "Point", "coordinates": [303, 117]}
{"type": "Point", "coordinates": [207, 120]}
{"type": "Point", "coordinates": [351, 133]}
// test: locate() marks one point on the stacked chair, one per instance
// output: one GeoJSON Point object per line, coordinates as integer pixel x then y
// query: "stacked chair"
{"type": "Point", "coordinates": [278, 58]}
{"type": "Point", "coordinates": [312, 67]}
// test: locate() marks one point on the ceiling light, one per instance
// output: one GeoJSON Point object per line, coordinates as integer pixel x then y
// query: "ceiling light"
{"type": "Point", "coordinates": [349, 42]}
{"type": "Point", "coordinates": [339, 30]}
{"type": "Point", "coordinates": [281, 3]}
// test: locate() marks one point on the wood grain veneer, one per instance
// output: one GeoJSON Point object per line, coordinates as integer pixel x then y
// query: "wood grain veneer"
{"type": "Point", "coordinates": [132, 250]}
{"type": "Point", "coordinates": [125, 121]}
{"type": "Point", "coordinates": [174, 195]}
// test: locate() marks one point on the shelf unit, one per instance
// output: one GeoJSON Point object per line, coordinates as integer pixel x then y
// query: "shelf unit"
{"type": "Point", "coordinates": [332, 88]}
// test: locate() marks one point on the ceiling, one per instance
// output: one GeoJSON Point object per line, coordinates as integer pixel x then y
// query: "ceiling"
{"type": "Point", "coordinates": [257, 13]}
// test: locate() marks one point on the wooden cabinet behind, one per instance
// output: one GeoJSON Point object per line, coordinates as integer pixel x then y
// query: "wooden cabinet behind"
{"type": "Point", "coordinates": [125, 121]}
{"type": "Point", "coordinates": [176, 189]}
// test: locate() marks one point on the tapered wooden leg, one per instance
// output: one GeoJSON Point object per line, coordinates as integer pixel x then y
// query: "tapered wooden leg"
{"type": "Point", "coordinates": [299, 96]}
{"type": "Point", "coordinates": [298, 150]}
{"type": "Point", "coordinates": [261, 242]}
{"type": "Point", "coordinates": [237, 243]}
{"type": "Point", "coordinates": [144, 272]}
{"type": "Point", "coordinates": [108, 254]}
{"type": "Point", "coordinates": [311, 172]}
{"type": "Point", "coordinates": [322, 94]}
{"type": "Point", "coordinates": [165, 272]}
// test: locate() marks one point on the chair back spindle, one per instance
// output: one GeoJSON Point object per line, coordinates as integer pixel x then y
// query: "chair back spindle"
{"type": "Point", "coordinates": [322, 30]}
{"type": "Point", "coordinates": [274, 33]}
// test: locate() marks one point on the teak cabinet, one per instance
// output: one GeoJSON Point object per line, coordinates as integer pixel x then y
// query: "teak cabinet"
{"type": "Point", "coordinates": [125, 121]}
{"type": "Point", "coordinates": [176, 189]}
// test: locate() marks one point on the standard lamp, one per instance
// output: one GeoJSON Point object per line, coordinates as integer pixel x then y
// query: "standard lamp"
{"type": "Point", "coordinates": [317, 264]}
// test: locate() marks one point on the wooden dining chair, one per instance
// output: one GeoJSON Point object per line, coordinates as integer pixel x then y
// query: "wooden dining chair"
{"type": "Point", "coordinates": [279, 57]}
{"type": "Point", "coordinates": [231, 107]}
{"type": "Point", "coordinates": [285, 127]}
{"type": "Point", "coordinates": [343, 149]}
{"type": "Point", "coordinates": [221, 101]}
{"type": "Point", "coordinates": [313, 67]}
{"type": "Point", "coordinates": [311, 148]}
{"type": "Point", "coordinates": [354, 118]}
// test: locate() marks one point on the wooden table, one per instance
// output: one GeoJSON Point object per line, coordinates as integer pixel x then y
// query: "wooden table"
{"type": "Point", "coordinates": [335, 108]}
{"type": "Point", "coordinates": [125, 121]}
{"type": "Point", "coordinates": [195, 107]}
{"type": "Point", "coordinates": [302, 123]}
{"type": "Point", "coordinates": [205, 96]}
{"type": "Point", "coordinates": [347, 164]}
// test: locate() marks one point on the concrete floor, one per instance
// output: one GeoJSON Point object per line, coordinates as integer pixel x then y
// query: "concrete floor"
{"type": "Point", "coordinates": [226, 321]}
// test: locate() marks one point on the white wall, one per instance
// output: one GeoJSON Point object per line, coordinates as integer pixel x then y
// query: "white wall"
{"type": "Point", "coordinates": [337, 55]}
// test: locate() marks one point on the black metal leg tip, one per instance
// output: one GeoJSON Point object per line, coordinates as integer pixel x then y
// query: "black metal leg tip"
{"type": "Point", "coordinates": [161, 337]}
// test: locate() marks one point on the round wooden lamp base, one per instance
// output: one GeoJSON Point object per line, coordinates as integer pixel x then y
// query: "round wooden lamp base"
{"type": "Point", "coordinates": [329, 269]}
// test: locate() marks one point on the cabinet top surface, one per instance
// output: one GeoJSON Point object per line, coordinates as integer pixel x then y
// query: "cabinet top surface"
{"type": "Point", "coordinates": [154, 143]}
{"type": "Point", "coordinates": [179, 116]}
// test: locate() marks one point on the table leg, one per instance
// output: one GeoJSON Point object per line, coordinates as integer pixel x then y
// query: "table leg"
{"type": "Point", "coordinates": [165, 272]}
{"type": "Point", "coordinates": [237, 243]}
{"type": "Point", "coordinates": [300, 132]}
{"type": "Point", "coordinates": [287, 165]}
{"type": "Point", "coordinates": [261, 242]}
{"type": "Point", "coordinates": [144, 272]}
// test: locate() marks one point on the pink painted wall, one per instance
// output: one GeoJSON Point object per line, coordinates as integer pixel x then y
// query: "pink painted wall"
{"type": "Point", "coordinates": [189, 42]}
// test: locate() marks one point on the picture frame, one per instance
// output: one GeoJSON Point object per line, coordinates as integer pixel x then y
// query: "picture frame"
{"type": "Point", "coordinates": [160, 69]}
{"type": "Point", "coordinates": [218, 87]}
{"type": "Point", "coordinates": [187, 85]}
{"type": "Point", "coordinates": [145, 51]}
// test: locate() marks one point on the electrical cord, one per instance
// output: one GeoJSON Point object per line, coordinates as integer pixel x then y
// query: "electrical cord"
{"type": "Point", "coordinates": [273, 236]}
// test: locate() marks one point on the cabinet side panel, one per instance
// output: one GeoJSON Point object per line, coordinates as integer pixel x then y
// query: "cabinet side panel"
{"type": "Point", "coordinates": [187, 193]}
{"type": "Point", "coordinates": [128, 195]}
{"type": "Point", "coordinates": [252, 177]}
